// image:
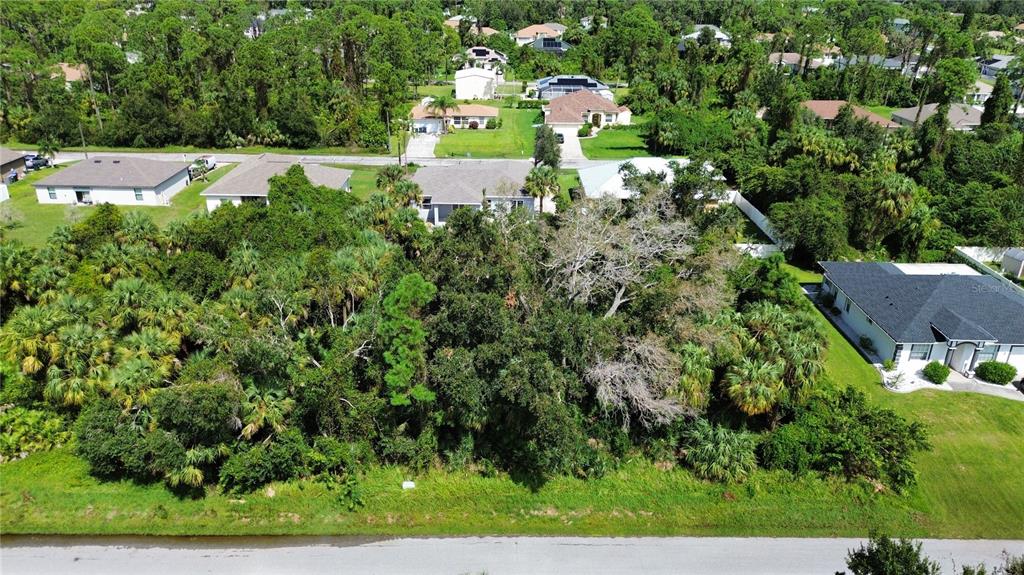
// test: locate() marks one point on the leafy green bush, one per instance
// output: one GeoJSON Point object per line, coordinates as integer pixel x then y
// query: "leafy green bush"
{"type": "Point", "coordinates": [198, 414]}
{"type": "Point", "coordinates": [260, 464]}
{"type": "Point", "coordinates": [492, 123]}
{"type": "Point", "coordinates": [888, 365]}
{"type": "Point", "coordinates": [936, 373]}
{"type": "Point", "coordinates": [995, 372]}
{"type": "Point", "coordinates": [585, 130]}
{"type": "Point", "coordinates": [845, 435]}
{"type": "Point", "coordinates": [719, 453]}
{"type": "Point", "coordinates": [111, 446]}
{"type": "Point", "coordinates": [867, 345]}
{"type": "Point", "coordinates": [884, 556]}
{"type": "Point", "coordinates": [29, 430]}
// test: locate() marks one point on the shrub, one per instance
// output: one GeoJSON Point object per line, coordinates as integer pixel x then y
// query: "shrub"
{"type": "Point", "coordinates": [996, 372]}
{"type": "Point", "coordinates": [719, 453]}
{"type": "Point", "coordinates": [254, 467]}
{"type": "Point", "coordinates": [111, 447]}
{"type": "Point", "coordinates": [585, 130]}
{"type": "Point", "coordinates": [474, 125]}
{"type": "Point", "coordinates": [888, 365]}
{"type": "Point", "coordinates": [844, 435]}
{"type": "Point", "coordinates": [202, 413]}
{"type": "Point", "coordinates": [882, 556]}
{"type": "Point", "coordinates": [492, 123]}
{"type": "Point", "coordinates": [936, 373]}
{"type": "Point", "coordinates": [29, 430]}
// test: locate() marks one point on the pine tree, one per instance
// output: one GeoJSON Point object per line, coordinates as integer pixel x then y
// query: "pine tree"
{"type": "Point", "coordinates": [997, 107]}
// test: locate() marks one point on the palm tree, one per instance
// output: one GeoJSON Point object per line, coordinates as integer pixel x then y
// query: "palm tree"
{"type": "Point", "coordinates": [265, 409]}
{"type": "Point", "coordinates": [388, 177]}
{"type": "Point", "coordinates": [893, 200]}
{"type": "Point", "coordinates": [441, 105]}
{"type": "Point", "coordinates": [30, 337]}
{"type": "Point", "coordinates": [125, 301]}
{"type": "Point", "coordinates": [407, 193]}
{"type": "Point", "coordinates": [244, 263]}
{"type": "Point", "coordinates": [48, 147]}
{"type": "Point", "coordinates": [132, 381]}
{"type": "Point", "coordinates": [540, 182]}
{"type": "Point", "coordinates": [754, 388]}
{"type": "Point", "coordinates": [694, 388]}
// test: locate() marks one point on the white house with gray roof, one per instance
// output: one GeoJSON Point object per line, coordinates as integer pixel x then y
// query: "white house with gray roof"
{"type": "Point", "coordinates": [250, 180]}
{"type": "Point", "coordinates": [917, 313]}
{"type": "Point", "coordinates": [498, 185]}
{"type": "Point", "coordinates": [121, 180]}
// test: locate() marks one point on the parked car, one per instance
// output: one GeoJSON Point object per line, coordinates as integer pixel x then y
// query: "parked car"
{"type": "Point", "coordinates": [35, 162]}
{"type": "Point", "coordinates": [560, 137]}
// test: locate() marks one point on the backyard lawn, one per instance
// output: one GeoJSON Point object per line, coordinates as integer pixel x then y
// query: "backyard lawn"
{"type": "Point", "coordinates": [364, 178]}
{"type": "Point", "coordinates": [514, 139]}
{"type": "Point", "coordinates": [615, 144]}
{"type": "Point", "coordinates": [37, 221]}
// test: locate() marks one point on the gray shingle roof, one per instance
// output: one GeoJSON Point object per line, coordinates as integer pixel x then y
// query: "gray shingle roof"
{"type": "Point", "coordinates": [115, 172]}
{"type": "Point", "coordinates": [931, 308]}
{"type": "Point", "coordinates": [252, 177]}
{"type": "Point", "coordinates": [467, 184]}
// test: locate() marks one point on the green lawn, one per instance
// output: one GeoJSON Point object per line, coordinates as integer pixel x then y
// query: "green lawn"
{"type": "Point", "coordinates": [364, 178]}
{"type": "Point", "coordinates": [434, 90]}
{"type": "Point", "coordinates": [568, 179]}
{"type": "Point", "coordinates": [970, 482]}
{"type": "Point", "coordinates": [883, 111]}
{"type": "Point", "coordinates": [803, 276]}
{"type": "Point", "coordinates": [514, 139]}
{"type": "Point", "coordinates": [615, 144]}
{"type": "Point", "coordinates": [37, 221]}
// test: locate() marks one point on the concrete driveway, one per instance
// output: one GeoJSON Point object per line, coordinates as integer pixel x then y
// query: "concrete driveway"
{"type": "Point", "coordinates": [422, 146]}
{"type": "Point", "coordinates": [571, 149]}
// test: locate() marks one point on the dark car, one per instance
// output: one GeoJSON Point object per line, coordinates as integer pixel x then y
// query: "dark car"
{"type": "Point", "coordinates": [35, 162]}
{"type": "Point", "coordinates": [560, 137]}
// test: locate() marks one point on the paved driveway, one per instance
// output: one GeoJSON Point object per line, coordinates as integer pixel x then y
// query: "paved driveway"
{"type": "Point", "coordinates": [422, 146]}
{"type": "Point", "coordinates": [571, 149]}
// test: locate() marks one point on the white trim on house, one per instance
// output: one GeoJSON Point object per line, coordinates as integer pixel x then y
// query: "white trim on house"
{"type": "Point", "coordinates": [159, 195]}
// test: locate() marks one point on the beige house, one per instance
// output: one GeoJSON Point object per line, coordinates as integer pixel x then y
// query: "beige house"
{"type": "Point", "coordinates": [426, 120]}
{"type": "Point", "coordinates": [584, 106]}
{"type": "Point", "coordinates": [250, 180]}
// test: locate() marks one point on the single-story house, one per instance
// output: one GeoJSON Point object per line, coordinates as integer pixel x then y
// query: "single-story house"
{"type": "Point", "coordinates": [1013, 262]}
{"type": "Point", "coordinates": [474, 27]}
{"type": "Point", "coordinates": [584, 106]}
{"type": "Point", "coordinates": [551, 87]}
{"type": "Point", "coordinates": [485, 55]}
{"type": "Point", "coordinates": [992, 67]}
{"type": "Point", "coordinates": [917, 313]}
{"type": "Point", "coordinates": [249, 181]}
{"type": "Point", "coordinates": [121, 180]}
{"type": "Point", "coordinates": [426, 120]}
{"type": "Point", "coordinates": [553, 46]}
{"type": "Point", "coordinates": [606, 179]}
{"type": "Point", "coordinates": [828, 110]}
{"type": "Point", "coordinates": [531, 33]}
{"type": "Point", "coordinates": [901, 24]}
{"type": "Point", "coordinates": [724, 40]}
{"type": "Point", "coordinates": [979, 94]}
{"type": "Point", "coordinates": [790, 61]}
{"type": "Point", "coordinates": [994, 35]}
{"type": "Point", "coordinates": [447, 188]}
{"type": "Point", "coordinates": [475, 84]}
{"type": "Point", "coordinates": [11, 160]}
{"type": "Point", "coordinates": [961, 116]}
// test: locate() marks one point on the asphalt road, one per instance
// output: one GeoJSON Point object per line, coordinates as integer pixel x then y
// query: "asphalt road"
{"type": "Point", "coordinates": [491, 555]}
{"type": "Point", "coordinates": [359, 160]}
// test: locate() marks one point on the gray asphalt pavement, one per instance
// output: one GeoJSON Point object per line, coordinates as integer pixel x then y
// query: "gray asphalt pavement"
{"type": "Point", "coordinates": [359, 160]}
{"type": "Point", "coordinates": [491, 555]}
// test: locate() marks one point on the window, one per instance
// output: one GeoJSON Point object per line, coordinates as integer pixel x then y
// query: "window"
{"type": "Point", "coordinates": [608, 118]}
{"type": "Point", "coordinates": [138, 194]}
{"type": "Point", "coordinates": [426, 202]}
{"type": "Point", "coordinates": [847, 304]}
{"type": "Point", "coordinates": [52, 193]}
{"type": "Point", "coordinates": [987, 354]}
{"type": "Point", "coordinates": [920, 351]}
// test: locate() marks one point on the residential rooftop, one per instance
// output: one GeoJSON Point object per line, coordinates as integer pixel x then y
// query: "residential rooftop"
{"type": "Point", "coordinates": [960, 116]}
{"type": "Point", "coordinates": [575, 107]}
{"type": "Point", "coordinates": [922, 304]}
{"type": "Point", "coordinates": [828, 110]}
{"type": "Point", "coordinates": [468, 183]}
{"type": "Point", "coordinates": [251, 178]}
{"type": "Point", "coordinates": [115, 172]}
